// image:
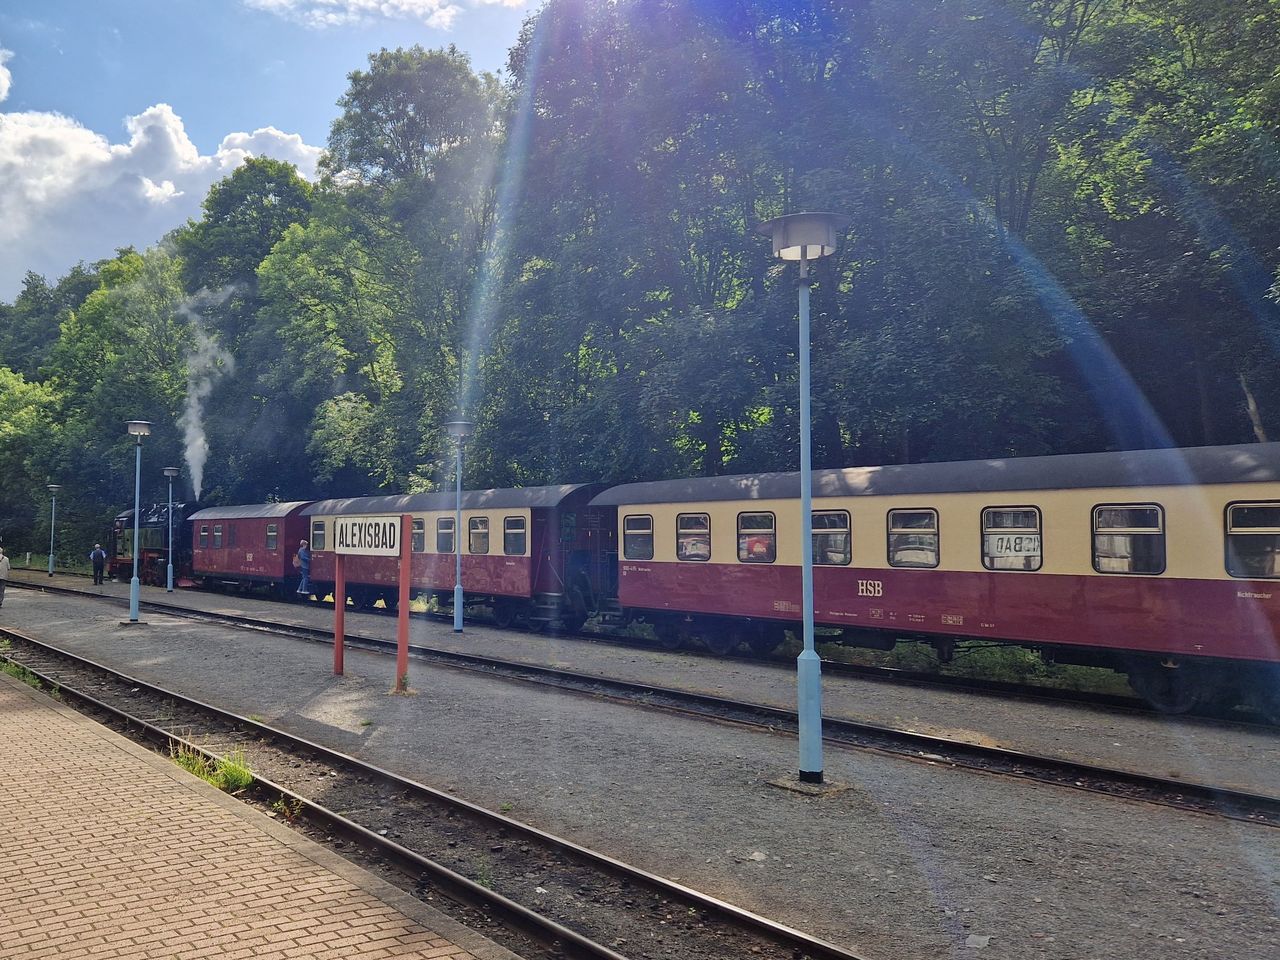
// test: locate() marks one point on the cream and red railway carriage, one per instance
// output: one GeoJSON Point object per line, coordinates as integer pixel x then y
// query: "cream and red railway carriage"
{"type": "Point", "coordinates": [534, 553]}
{"type": "Point", "coordinates": [1160, 563]}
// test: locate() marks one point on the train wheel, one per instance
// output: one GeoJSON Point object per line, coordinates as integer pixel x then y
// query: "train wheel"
{"type": "Point", "coordinates": [1263, 692]}
{"type": "Point", "coordinates": [504, 613]}
{"type": "Point", "coordinates": [1173, 690]}
{"type": "Point", "coordinates": [670, 636]}
{"type": "Point", "coordinates": [722, 641]}
{"type": "Point", "coordinates": [763, 640]}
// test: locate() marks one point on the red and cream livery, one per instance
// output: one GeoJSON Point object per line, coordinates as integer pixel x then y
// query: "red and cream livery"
{"type": "Point", "coordinates": [248, 546]}
{"type": "Point", "coordinates": [1161, 563]}
{"type": "Point", "coordinates": [534, 553]}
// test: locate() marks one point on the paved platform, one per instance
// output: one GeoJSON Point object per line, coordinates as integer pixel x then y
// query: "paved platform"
{"type": "Point", "coordinates": [108, 850]}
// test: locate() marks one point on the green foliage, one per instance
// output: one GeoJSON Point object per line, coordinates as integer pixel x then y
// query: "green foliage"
{"type": "Point", "coordinates": [1064, 237]}
{"type": "Point", "coordinates": [230, 774]}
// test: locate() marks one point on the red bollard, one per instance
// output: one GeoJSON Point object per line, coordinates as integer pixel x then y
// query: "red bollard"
{"type": "Point", "coordinates": [339, 612]}
{"type": "Point", "coordinates": [402, 608]}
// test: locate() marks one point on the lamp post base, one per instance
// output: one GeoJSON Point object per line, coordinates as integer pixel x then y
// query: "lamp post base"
{"type": "Point", "coordinates": [134, 590]}
{"type": "Point", "coordinates": [169, 583]}
{"type": "Point", "coordinates": [457, 608]}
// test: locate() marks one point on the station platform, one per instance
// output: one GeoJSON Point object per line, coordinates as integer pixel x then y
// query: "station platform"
{"type": "Point", "coordinates": [108, 850]}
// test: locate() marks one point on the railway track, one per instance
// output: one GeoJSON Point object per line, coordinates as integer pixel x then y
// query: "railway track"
{"type": "Point", "coordinates": [1115, 703]}
{"type": "Point", "coordinates": [1181, 794]}
{"type": "Point", "coordinates": [579, 903]}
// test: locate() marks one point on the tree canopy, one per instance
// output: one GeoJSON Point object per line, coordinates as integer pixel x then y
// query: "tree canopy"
{"type": "Point", "coordinates": [1065, 233]}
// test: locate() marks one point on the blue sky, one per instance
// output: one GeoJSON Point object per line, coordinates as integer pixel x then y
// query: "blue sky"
{"type": "Point", "coordinates": [117, 115]}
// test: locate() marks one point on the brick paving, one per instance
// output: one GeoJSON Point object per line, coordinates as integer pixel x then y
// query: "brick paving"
{"type": "Point", "coordinates": [107, 850]}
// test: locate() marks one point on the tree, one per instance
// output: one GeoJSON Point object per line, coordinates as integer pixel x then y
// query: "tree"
{"type": "Point", "coordinates": [404, 115]}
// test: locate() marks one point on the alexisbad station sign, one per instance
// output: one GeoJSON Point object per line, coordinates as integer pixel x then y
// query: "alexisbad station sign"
{"type": "Point", "coordinates": [367, 536]}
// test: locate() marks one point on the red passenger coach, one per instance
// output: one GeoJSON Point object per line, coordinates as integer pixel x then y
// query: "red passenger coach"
{"type": "Point", "coordinates": [1160, 563]}
{"type": "Point", "coordinates": [536, 554]}
{"type": "Point", "coordinates": [248, 546]}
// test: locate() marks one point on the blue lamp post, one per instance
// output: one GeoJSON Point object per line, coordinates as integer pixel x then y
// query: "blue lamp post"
{"type": "Point", "coordinates": [170, 472]}
{"type": "Point", "coordinates": [53, 518]}
{"type": "Point", "coordinates": [460, 431]}
{"type": "Point", "coordinates": [138, 429]}
{"type": "Point", "coordinates": [805, 237]}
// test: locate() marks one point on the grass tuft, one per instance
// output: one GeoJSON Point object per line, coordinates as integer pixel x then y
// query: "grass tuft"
{"type": "Point", "coordinates": [230, 774]}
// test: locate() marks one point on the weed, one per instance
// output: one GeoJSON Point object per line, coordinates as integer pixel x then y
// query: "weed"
{"type": "Point", "coordinates": [289, 809]}
{"type": "Point", "coordinates": [257, 718]}
{"type": "Point", "coordinates": [19, 672]}
{"type": "Point", "coordinates": [5, 644]}
{"type": "Point", "coordinates": [231, 774]}
{"type": "Point", "coordinates": [366, 723]}
{"type": "Point", "coordinates": [190, 761]}
{"type": "Point", "coordinates": [484, 875]}
{"type": "Point", "coordinates": [506, 807]}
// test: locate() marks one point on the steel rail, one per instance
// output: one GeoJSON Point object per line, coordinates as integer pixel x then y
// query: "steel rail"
{"type": "Point", "coordinates": [778, 933]}
{"type": "Point", "coordinates": [1120, 703]}
{"type": "Point", "coordinates": [1062, 771]}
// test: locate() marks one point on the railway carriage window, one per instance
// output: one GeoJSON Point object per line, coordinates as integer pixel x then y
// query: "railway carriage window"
{"type": "Point", "coordinates": [217, 536]}
{"type": "Point", "coordinates": [1128, 538]}
{"type": "Point", "coordinates": [1011, 538]}
{"type": "Point", "coordinates": [831, 542]}
{"type": "Point", "coordinates": [693, 536]}
{"type": "Point", "coordinates": [757, 538]}
{"type": "Point", "coordinates": [1253, 540]}
{"type": "Point", "coordinates": [513, 536]}
{"type": "Point", "coordinates": [637, 538]}
{"type": "Point", "coordinates": [231, 535]}
{"type": "Point", "coordinates": [444, 535]}
{"type": "Point", "coordinates": [317, 535]}
{"type": "Point", "coordinates": [204, 535]}
{"type": "Point", "coordinates": [913, 538]}
{"type": "Point", "coordinates": [478, 535]}
{"type": "Point", "coordinates": [273, 535]}
{"type": "Point", "coordinates": [418, 538]}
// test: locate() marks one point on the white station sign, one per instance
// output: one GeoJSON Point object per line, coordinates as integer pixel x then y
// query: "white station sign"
{"type": "Point", "coordinates": [367, 536]}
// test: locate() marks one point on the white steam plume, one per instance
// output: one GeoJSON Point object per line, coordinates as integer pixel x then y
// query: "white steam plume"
{"type": "Point", "coordinates": [206, 363]}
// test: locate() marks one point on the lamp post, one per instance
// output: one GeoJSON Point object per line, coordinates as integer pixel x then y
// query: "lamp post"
{"type": "Point", "coordinates": [53, 489]}
{"type": "Point", "coordinates": [138, 429]}
{"type": "Point", "coordinates": [170, 472]}
{"type": "Point", "coordinates": [459, 430]}
{"type": "Point", "coordinates": [805, 237]}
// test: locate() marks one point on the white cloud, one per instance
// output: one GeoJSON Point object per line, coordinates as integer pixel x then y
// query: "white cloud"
{"type": "Point", "coordinates": [68, 194]}
{"type": "Point", "coordinates": [319, 14]}
{"type": "Point", "coordinates": [340, 13]}
{"type": "Point", "coordinates": [6, 78]}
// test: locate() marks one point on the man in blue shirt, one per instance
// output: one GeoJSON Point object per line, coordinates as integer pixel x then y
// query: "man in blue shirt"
{"type": "Point", "coordinates": [304, 565]}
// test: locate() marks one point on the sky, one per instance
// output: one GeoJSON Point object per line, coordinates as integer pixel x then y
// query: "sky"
{"type": "Point", "coordinates": [116, 116]}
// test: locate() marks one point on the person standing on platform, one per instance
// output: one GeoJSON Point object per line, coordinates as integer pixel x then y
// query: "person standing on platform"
{"type": "Point", "coordinates": [303, 562]}
{"type": "Point", "coordinates": [4, 574]}
{"type": "Point", "coordinates": [99, 560]}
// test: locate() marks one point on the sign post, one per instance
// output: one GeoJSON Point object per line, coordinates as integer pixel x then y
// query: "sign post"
{"type": "Point", "coordinates": [373, 537]}
{"type": "Point", "coordinates": [402, 606]}
{"type": "Point", "coordinates": [339, 611]}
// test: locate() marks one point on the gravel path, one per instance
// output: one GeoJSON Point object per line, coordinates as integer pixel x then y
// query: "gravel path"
{"type": "Point", "coordinates": [912, 861]}
{"type": "Point", "coordinates": [1194, 750]}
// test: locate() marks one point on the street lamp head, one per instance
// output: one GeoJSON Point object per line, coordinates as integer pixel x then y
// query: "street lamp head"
{"type": "Point", "coordinates": [53, 488]}
{"type": "Point", "coordinates": [172, 472]}
{"type": "Point", "coordinates": [459, 430]}
{"type": "Point", "coordinates": [804, 236]}
{"type": "Point", "coordinates": [139, 428]}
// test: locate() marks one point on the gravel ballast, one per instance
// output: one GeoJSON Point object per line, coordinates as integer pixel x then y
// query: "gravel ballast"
{"type": "Point", "coordinates": [914, 860]}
